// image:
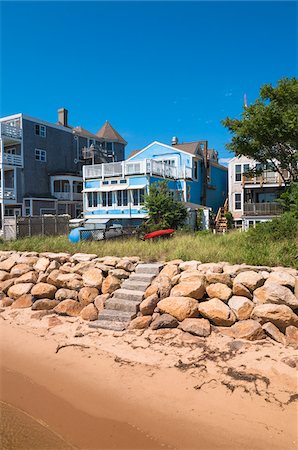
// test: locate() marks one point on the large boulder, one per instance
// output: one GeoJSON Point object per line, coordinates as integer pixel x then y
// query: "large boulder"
{"type": "Point", "coordinates": [164, 321]}
{"type": "Point", "coordinates": [44, 304]}
{"type": "Point", "coordinates": [189, 265]}
{"type": "Point", "coordinates": [195, 289]}
{"type": "Point", "coordinates": [148, 305]}
{"type": "Point", "coordinates": [63, 294]}
{"type": "Point", "coordinates": [89, 312]}
{"type": "Point", "coordinates": [44, 290]}
{"type": "Point", "coordinates": [24, 301]}
{"type": "Point", "coordinates": [4, 275]}
{"type": "Point", "coordinates": [292, 335]}
{"type": "Point", "coordinates": [7, 264]}
{"type": "Point", "coordinates": [19, 269]}
{"type": "Point", "coordinates": [275, 293]}
{"type": "Point", "coordinates": [18, 290]}
{"type": "Point", "coordinates": [5, 302]}
{"type": "Point", "coordinates": [100, 301]}
{"type": "Point", "coordinates": [210, 268]}
{"type": "Point", "coordinates": [93, 278]}
{"type": "Point", "coordinates": [250, 279]}
{"type": "Point", "coordinates": [125, 264]}
{"type": "Point", "coordinates": [164, 285]}
{"type": "Point", "coordinates": [87, 295]}
{"type": "Point", "coordinates": [151, 290]}
{"type": "Point", "coordinates": [42, 264]}
{"type": "Point", "coordinates": [281, 315]}
{"type": "Point", "coordinates": [110, 284]}
{"type": "Point", "coordinates": [217, 312]}
{"type": "Point", "coordinates": [224, 278]}
{"type": "Point", "coordinates": [274, 332]}
{"type": "Point", "coordinates": [170, 270]}
{"type": "Point", "coordinates": [83, 257]}
{"type": "Point", "coordinates": [111, 261]}
{"type": "Point", "coordinates": [5, 285]}
{"type": "Point", "coordinates": [68, 308]}
{"type": "Point", "coordinates": [198, 327]}
{"type": "Point", "coordinates": [192, 275]}
{"type": "Point", "coordinates": [241, 306]}
{"type": "Point", "coordinates": [139, 323]}
{"type": "Point", "coordinates": [179, 307]}
{"type": "Point", "coordinates": [247, 329]}
{"type": "Point", "coordinates": [241, 290]}
{"type": "Point", "coordinates": [283, 278]}
{"type": "Point", "coordinates": [66, 280]}
{"type": "Point", "coordinates": [219, 290]}
{"type": "Point", "coordinates": [119, 273]}
{"type": "Point", "coordinates": [28, 277]}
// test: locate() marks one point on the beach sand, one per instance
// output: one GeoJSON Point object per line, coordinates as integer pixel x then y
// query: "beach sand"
{"type": "Point", "coordinates": [148, 390]}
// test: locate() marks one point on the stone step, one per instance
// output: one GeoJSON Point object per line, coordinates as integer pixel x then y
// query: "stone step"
{"type": "Point", "coordinates": [121, 305]}
{"type": "Point", "coordinates": [135, 285]}
{"type": "Point", "coordinates": [108, 325]}
{"type": "Point", "coordinates": [153, 269]}
{"type": "Point", "coordinates": [129, 294]}
{"type": "Point", "coordinates": [142, 277]}
{"type": "Point", "coordinates": [113, 315]}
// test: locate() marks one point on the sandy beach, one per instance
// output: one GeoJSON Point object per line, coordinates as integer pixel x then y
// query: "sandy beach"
{"type": "Point", "coordinates": [139, 389]}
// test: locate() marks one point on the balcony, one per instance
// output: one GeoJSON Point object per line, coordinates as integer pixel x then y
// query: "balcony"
{"type": "Point", "coordinates": [262, 209]}
{"type": "Point", "coordinates": [143, 167]}
{"type": "Point", "coordinates": [267, 177]}
{"type": "Point", "coordinates": [10, 132]}
{"type": "Point", "coordinates": [69, 196]}
{"type": "Point", "coordinates": [9, 194]}
{"type": "Point", "coordinates": [10, 159]}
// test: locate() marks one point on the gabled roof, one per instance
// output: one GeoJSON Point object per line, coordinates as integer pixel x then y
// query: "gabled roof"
{"type": "Point", "coordinates": [83, 132]}
{"type": "Point", "coordinates": [189, 147]}
{"type": "Point", "coordinates": [133, 153]}
{"type": "Point", "coordinates": [110, 134]}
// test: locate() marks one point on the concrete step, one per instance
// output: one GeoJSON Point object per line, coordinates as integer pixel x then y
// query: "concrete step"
{"type": "Point", "coordinates": [129, 294]}
{"type": "Point", "coordinates": [112, 315]}
{"type": "Point", "coordinates": [108, 325]}
{"type": "Point", "coordinates": [153, 269]}
{"type": "Point", "coordinates": [121, 305]}
{"type": "Point", "coordinates": [142, 277]}
{"type": "Point", "coordinates": [135, 285]}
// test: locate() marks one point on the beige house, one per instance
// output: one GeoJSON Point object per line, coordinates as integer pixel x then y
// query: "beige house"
{"type": "Point", "coordinates": [252, 198]}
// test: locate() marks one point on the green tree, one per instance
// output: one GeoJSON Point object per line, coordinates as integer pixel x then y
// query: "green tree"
{"type": "Point", "coordinates": [163, 211]}
{"type": "Point", "coordinates": [289, 200]}
{"type": "Point", "coordinates": [267, 130]}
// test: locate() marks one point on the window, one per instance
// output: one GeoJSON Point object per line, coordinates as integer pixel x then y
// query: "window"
{"type": "Point", "coordinates": [195, 170]}
{"type": "Point", "coordinates": [10, 151]}
{"type": "Point", "coordinates": [114, 181]}
{"type": "Point", "coordinates": [91, 142]}
{"type": "Point", "coordinates": [107, 199]}
{"type": "Point", "coordinates": [237, 201]}
{"type": "Point", "coordinates": [109, 146]}
{"type": "Point", "coordinates": [138, 196]}
{"type": "Point", "coordinates": [238, 172]}
{"type": "Point", "coordinates": [77, 187]}
{"type": "Point", "coordinates": [40, 155]}
{"type": "Point", "coordinates": [61, 186]}
{"type": "Point", "coordinates": [122, 181]}
{"type": "Point", "coordinates": [246, 168]}
{"type": "Point", "coordinates": [40, 130]}
{"type": "Point", "coordinates": [105, 182]}
{"type": "Point", "coordinates": [93, 199]}
{"type": "Point", "coordinates": [122, 198]}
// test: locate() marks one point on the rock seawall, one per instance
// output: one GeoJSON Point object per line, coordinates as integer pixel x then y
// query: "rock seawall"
{"type": "Point", "coordinates": [241, 301]}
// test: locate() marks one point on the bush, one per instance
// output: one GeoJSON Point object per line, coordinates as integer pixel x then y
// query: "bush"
{"type": "Point", "coordinates": [284, 227]}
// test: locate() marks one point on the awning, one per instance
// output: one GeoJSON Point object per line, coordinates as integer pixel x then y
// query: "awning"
{"type": "Point", "coordinates": [115, 187]}
{"type": "Point", "coordinates": [97, 221]}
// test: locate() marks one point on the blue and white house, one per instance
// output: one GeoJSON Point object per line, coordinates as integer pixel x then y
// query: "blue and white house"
{"type": "Point", "coordinates": [114, 192]}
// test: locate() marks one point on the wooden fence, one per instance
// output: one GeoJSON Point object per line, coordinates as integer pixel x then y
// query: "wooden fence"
{"type": "Point", "coordinates": [48, 225]}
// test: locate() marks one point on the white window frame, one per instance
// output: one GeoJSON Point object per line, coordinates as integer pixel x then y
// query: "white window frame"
{"type": "Point", "coordinates": [238, 173]}
{"type": "Point", "coordinates": [91, 141]}
{"type": "Point", "coordinates": [40, 155]}
{"type": "Point", "coordinates": [237, 201]}
{"type": "Point", "coordinates": [42, 130]}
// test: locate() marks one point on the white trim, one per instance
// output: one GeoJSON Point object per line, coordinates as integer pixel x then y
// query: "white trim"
{"type": "Point", "coordinates": [178, 150]}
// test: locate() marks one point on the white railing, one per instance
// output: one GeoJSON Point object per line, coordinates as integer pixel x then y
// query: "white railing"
{"type": "Point", "coordinates": [10, 131]}
{"type": "Point", "coordinates": [12, 160]}
{"type": "Point", "coordinates": [68, 196]}
{"type": "Point", "coordinates": [9, 194]}
{"type": "Point", "coordinates": [145, 166]}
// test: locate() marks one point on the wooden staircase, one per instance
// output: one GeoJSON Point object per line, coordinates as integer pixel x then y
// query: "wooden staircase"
{"type": "Point", "coordinates": [221, 223]}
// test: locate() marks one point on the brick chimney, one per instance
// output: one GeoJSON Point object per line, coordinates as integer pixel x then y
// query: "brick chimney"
{"type": "Point", "coordinates": [63, 117]}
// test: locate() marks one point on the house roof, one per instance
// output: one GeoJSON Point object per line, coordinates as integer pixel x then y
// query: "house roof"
{"type": "Point", "coordinates": [82, 131]}
{"type": "Point", "coordinates": [109, 133]}
{"type": "Point", "coordinates": [133, 152]}
{"type": "Point", "coordinates": [189, 147]}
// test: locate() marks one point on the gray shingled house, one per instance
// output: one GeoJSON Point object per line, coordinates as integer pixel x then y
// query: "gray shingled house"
{"type": "Point", "coordinates": [41, 163]}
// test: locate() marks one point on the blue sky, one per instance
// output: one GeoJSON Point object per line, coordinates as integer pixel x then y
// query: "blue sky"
{"type": "Point", "coordinates": [153, 69]}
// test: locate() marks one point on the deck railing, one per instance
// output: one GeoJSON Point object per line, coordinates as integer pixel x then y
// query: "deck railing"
{"type": "Point", "coordinates": [267, 177]}
{"type": "Point", "coordinates": [262, 209]}
{"type": "Point", "coordinates": [126, 168]}
{"type": "Point", "coordinates": [12, 160]}
{"type": "Point", "coordinates": [9, 194]}
{"type": "Point", "coordinates": [10, 131]}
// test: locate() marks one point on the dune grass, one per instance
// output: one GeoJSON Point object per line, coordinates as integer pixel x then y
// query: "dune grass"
{"type": "Point", "coordinates": [234, 248]}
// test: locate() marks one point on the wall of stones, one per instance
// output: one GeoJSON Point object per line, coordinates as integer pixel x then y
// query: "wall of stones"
{"type": "Point", "coordinates": [245, 302]}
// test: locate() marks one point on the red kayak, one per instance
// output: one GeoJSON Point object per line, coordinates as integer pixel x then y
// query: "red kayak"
{"type": "Point", "coordinates": [158, 233]}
